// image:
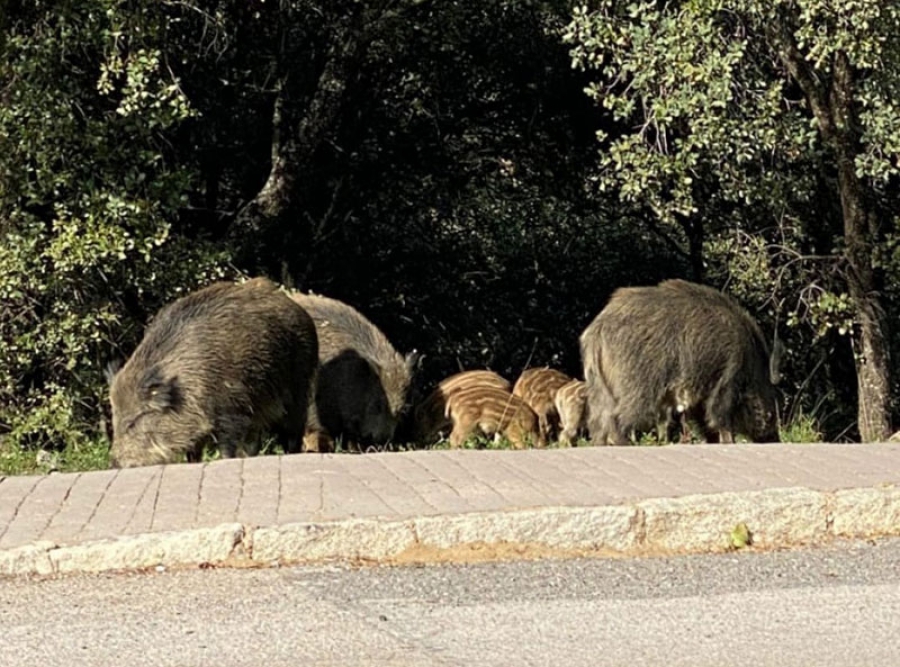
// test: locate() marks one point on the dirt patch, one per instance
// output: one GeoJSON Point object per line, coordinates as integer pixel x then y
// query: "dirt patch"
{"type": "Point", "coordinates": [483, 552]}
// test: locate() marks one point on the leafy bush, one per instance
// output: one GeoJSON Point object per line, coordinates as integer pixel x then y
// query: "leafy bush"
{"type": "Point", "coordinates": [88, 192]}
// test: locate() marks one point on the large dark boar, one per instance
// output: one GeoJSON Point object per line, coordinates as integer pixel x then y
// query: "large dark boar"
{"type": "Point", "coordinates": [364, 383]}
{"type": "Point", "coordinates": [219, 366]}
{"type": "Point", "coordinates": [678, 347]}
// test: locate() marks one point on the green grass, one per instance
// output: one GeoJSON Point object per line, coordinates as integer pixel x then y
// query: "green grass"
{"type": "Point", "coordinates": [801, 428]}
{"type": "Point", "coordinates": [95, 455]}
{"type": "Point", "coordinates": [485, 442]}
{"type": "Point", "coordinates": [74, 458]}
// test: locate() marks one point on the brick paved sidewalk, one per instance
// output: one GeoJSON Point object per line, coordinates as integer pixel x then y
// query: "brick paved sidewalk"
{"type": "Point", "coordinates": [271, 491]}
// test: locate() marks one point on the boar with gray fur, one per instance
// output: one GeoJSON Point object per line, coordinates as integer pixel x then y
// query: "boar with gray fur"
{"type": "Point", "coordinates": [678, 347]}
{"type": "Point", "coordinates": [220, 367]}
{"type": "Point", "coordinates": [570, 402]}
{"type": "Point", "coordinates": [364, 384]}
{"type": "Point", "coordinates": [538, 387]}
{"type": "Point", "coordinates": [478, 409]}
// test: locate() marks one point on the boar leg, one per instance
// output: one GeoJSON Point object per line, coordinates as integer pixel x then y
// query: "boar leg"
{"type": "Point", "coordinates": [293, 424]}
{"type": "Point", "coordinates": [317, 441]}
{"type": "Point", "coordinates": [621, 429]}
{"type": "Point", "coordinates": [602, 426]}
{"type": "Point", "coordinates": [252, 443]}
{"type": "Point", "coordinates": [719, 413]}
{"type": "Point", "coordinates": [516, 437]}
{"type": "Point", "coordinates": [461, 432]}
{"type": "Point", "coordinates": [233, 431]}
{"type": "Point", "coordinates": [544, 423]}
{"type": "Point", "coordinates": [195, 453]}
{"type": "Point", "coordinates": [600, 433]}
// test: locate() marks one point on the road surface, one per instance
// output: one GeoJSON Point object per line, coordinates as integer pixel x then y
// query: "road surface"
{"type": "Point", "coordinates": [838, 605]}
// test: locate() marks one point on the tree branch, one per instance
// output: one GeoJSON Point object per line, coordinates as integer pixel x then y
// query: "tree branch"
{"type": "Point", "coordinates": [804, 74]}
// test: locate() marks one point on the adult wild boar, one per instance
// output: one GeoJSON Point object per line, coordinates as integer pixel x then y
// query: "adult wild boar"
{"type": "Point", "coordinates": [538, 387]}
{"type": "Point", "coordinates": [364, 383]}
{"type": "Point", "coordinates": [678, 347]}
{"type": "Point", "coordinates": [219, 366]}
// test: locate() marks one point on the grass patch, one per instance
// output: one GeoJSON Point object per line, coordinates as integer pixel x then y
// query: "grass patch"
{"type": "Point", "coordinates": [801, 429]}
{"type": "Point", "coordinates": [74, 458]}
{"type": "Point", "coordinates": [486, 442]}
{"type": "Point", "coordinates": [95, 455]}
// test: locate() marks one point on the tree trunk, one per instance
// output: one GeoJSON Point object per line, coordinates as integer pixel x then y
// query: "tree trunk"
{"type": "Point", "coordinates": [298, 134]}
{"type": "Point", "coordinates": [871, 352]}
{"type": "Point", "coordinates": [832, 105]}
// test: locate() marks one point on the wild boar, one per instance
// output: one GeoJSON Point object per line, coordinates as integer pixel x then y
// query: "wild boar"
{"type": "Point", "coordinates": [363, 386]}
{"type": "Point", "coordinates": [570, 402]}
{"type": "Point", "coordinates": [435, 403]}
{"type": "Point", "coordinates": [480, 378]}
{"type": "Point", "coordinates": [479, 409]}
{"type": "Point", "coordinates": [538, 387]}
{"type": "Point", "coordinates": [678, 347]}
{"type": "Point", "coordinates": [220, 367]}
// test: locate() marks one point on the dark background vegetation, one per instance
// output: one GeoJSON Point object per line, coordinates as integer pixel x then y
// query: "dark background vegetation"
{"type": "Point", "coordinates": [431, 163]}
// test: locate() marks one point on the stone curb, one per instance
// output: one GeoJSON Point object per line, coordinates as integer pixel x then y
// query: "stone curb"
{"type": "Point", "coordinates": [189, 547]}
{"type": "Point", "coordinates": [689, 524]}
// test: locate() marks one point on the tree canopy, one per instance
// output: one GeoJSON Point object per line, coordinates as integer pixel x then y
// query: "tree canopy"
{"type": "Point", "coordinates": [763, 120]}
{"type": "Point", "coordinates": [437, 165]}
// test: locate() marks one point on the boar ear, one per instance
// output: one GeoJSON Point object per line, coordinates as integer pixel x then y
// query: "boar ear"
{"type": "Point", "coordinates": [414, 360]}
{"type": "Point", "coordinates": [161, 393]}
{"type": "Point", "coordinates": [109, 372]}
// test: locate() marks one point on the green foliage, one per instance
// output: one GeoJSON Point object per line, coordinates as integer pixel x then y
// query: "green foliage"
{"type": "Point", "coordinates": [802, 428]}
{"type": "Point", "coordinates": [86, 455]}
{"type": "Point", "coordinates": [740, 536]}
{"type": "Point", "coordinates": [714, 135]}
{"type": "Point", "coordinates": [88, 193]}
{"type": "Point", "coordinates": [442, 188]}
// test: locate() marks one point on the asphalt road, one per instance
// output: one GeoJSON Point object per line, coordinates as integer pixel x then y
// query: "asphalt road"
{"type": "Point", "coordinates": [838, 605]}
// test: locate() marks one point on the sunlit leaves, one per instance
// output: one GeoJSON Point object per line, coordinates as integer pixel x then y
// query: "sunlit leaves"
{"type": "Point", "coordinates": [89, 191]}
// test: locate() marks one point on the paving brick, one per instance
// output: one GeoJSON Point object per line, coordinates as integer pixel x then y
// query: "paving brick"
{"type": "Point", "coordinates": [303, 486]}
{"type": "Point", "coordinates": [514, 488]}
{"type": "Point", "coordinates": [37, 510]}
{"type": "Point", "coordinates": [434, 494]}
{"type": "Point", "coordinates": [140, 518]}
{"type": "Point", "coordinates": [381, 475]}
{"type": "Point", "coordinates": [178, 497]}
{"type": "Point", "coordinates": [220, 492]}
{"type": "Point", "coordinates": [346, 495]}
{"type": "Point", "coordinates": [261, 491]}
{"type": "Point", "coordinates": [79, 507]}
{"type": "Point", "coordinates": [547, 471]}
{"type": "Point", "coordinates": [473, 492]}
{"type": "Point", "coordinates": [13, 492]}
{"type": "Point", "coordinates": [117, 511]}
